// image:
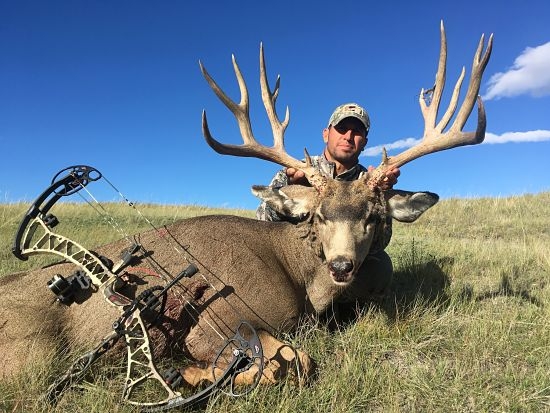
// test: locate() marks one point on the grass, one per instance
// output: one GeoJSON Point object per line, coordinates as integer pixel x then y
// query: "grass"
{"type": "Point", "coordinates": [464, 328]}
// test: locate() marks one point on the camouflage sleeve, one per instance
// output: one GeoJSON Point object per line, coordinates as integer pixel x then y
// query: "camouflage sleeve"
{"type": "Point", "coordinates": [264, 212]}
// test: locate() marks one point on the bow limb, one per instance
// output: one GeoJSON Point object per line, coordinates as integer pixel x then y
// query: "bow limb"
{"type": "Point", "coordinates": [35, 234]}
{"type": "Point", "coordinates": [78, 177]}
{"type": "Point", "coordinates": [139, 355]}
{"type": "Point", "coordinates": [245, 349]}
{"type": "Point", "coordinates": [246, 353]}
{"type": "Point", "coordinates": [49, 242]}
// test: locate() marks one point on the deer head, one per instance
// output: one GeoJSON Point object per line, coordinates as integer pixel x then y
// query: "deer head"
{"type": "Point", "coordinates": [345, 218]}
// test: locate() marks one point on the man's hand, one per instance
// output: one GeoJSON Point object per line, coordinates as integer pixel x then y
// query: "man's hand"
{"type": "Point", "coordinates": [390, 180]}
{"type": "Point", "coordinates": [296, 177]}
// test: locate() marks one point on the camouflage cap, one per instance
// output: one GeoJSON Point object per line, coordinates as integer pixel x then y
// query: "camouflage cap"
{"type": "Point", "coordinates": [352, 110]}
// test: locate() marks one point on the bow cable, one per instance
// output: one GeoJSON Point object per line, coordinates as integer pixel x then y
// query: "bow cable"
{"type": "Point", "coordinates": [184, 252]}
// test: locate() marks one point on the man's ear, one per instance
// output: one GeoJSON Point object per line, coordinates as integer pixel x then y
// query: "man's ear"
{"type": "Point", "coordinates": [291, 200]}
{"type": "Point", "coordinates": [407, 206]}
{"type": "Point", "coordinates": [325, 135]}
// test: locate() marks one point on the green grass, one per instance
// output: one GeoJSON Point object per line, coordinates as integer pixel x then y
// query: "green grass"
{"type": "Point", "coordinates": [464, 328]}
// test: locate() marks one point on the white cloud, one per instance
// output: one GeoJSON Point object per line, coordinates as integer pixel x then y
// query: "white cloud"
{"type": "Point", "coordinates": [539, 135]}
{"type": "Point", "coordinates": [529, 136]}
{"type": "Point", "coordinates": [530, 74]}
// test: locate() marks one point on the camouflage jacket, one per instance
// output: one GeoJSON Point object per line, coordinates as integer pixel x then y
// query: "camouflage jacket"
{"type": "Point", "coordinates": [327, 168]}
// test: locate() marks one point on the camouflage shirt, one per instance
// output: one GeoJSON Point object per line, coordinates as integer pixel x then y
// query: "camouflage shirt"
{"type": "Point", "coordinates": [327, 168]}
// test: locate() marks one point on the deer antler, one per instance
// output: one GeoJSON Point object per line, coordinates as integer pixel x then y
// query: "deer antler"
{"type": "Point", "coordinates": [434, 139]}
{"type": "Point", "coordinates": [250, 147]}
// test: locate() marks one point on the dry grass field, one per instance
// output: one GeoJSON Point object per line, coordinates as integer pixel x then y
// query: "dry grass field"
{"type": "Point", "coordinates": [465, 326]}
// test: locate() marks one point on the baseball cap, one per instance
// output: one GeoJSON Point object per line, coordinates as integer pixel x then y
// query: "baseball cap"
{"type": "Point", "coordinates": [348, 110]}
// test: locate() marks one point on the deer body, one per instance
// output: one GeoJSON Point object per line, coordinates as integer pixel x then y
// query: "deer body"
{"type": "Point", "coordinates": [266, 273]}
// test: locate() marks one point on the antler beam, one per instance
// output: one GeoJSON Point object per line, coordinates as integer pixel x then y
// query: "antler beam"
{"type": "Point", "coordinates": [250, 147]}
{"type": "Point", "coordinates": [434, 139]}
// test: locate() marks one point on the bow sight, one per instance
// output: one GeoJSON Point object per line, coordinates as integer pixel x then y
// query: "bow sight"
{"type": "Point", "coordinates": [97, 274]}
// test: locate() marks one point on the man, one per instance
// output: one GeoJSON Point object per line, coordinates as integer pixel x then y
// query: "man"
{"type": "Point", "coordinates": [345, 138]}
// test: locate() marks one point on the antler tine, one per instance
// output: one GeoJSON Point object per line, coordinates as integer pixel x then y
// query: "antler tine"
{"type": "Point", "coordinates": [478, 66]}
{"type": "Point", "coordinates": [269, 100]}
{"type": "Point", "coordinates": [452, 105]}
{"type": "Point", "coordinates": [240, 111]}
{"type": "Point", "coordinates": [434, 139]}
{"type": "Point", "coordinates": [430, 112]}
{"type": "Point", "coordinates": [250, 147]}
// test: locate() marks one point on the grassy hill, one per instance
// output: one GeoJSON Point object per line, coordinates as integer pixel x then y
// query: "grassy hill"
{"type": "Point", "coordinates": [464, 328]}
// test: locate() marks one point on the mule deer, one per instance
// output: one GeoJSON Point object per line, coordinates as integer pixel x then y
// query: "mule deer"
{"type": "Point", "coordinates": [268, 274]}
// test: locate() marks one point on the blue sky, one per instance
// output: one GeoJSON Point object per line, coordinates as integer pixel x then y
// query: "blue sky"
{"type": "Point", "coordinates": [116, 85]}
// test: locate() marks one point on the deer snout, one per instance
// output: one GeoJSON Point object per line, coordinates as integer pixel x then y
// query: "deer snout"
{"type": "Point", "coordinates": [341, 269]}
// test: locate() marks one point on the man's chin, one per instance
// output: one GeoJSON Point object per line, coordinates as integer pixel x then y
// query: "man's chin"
{"type": "Point", "coordinates": [347, 157]}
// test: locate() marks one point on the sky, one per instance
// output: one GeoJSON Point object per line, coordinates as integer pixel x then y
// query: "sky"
{"type": "Point", "coordinates": [116, 85]}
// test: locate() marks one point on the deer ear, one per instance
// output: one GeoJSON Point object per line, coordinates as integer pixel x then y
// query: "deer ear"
{"type": "Point", "coordinates": [291, 201]}
{"type": "Point", "coordinates": [407, 206]}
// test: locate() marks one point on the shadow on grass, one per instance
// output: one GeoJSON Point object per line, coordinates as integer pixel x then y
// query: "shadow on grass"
{"type": "Point", "coordinates": [506, 288]}
{"type": "Point", "coordinates": [421, 285]}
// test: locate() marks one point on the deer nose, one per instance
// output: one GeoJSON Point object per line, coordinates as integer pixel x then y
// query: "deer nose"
{"type": "Point", "coordinates": [340, 267]}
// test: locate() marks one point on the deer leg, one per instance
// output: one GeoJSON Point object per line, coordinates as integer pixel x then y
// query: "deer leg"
{"type": "Point", "coordinates": [280, 360]}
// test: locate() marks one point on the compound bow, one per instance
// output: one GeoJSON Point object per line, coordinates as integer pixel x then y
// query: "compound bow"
{"type": "Point", "coordinates": [35, 236]}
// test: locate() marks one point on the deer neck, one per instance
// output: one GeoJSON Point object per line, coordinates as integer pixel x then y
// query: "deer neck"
{"type": "Point", "coordinates": [300, 253]}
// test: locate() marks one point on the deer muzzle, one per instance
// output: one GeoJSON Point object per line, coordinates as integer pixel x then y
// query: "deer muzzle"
{"type": "Point", "coordinates": [341, 270]}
